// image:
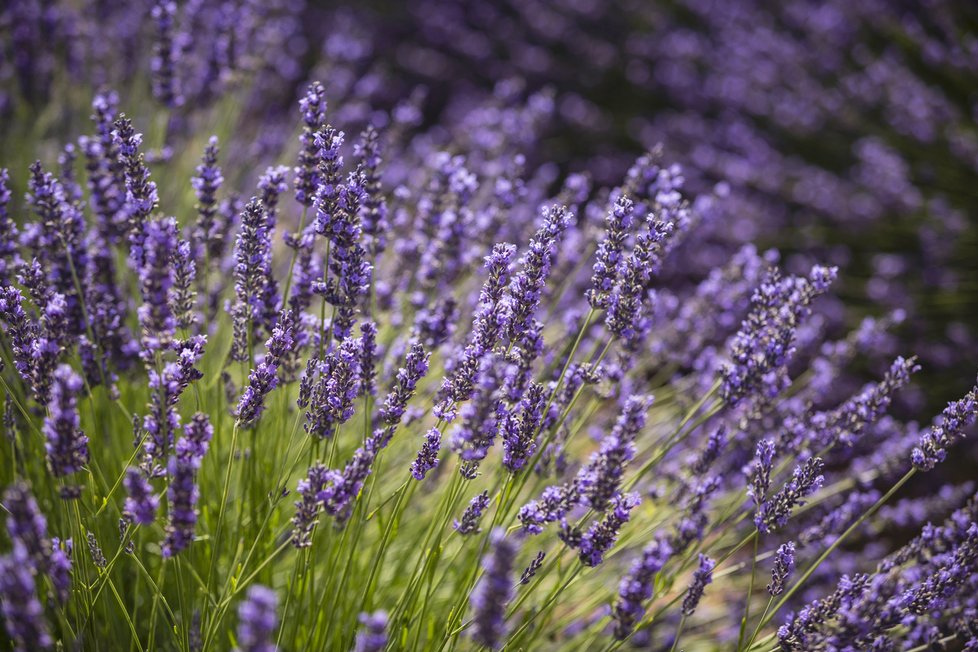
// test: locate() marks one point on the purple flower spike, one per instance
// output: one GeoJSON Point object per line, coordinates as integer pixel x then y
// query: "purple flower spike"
{"type": "Point", "coordinates": [207, 180]}
{"type": "Point", "coordinates": [608, 264]}
{"type": "Point", "coordinates": [494, 591]}
{"type": "Point", "coordinates": [23, 614]}
{"type": "Point", "coordinates": [428, 455]}
{"type": "Point", "coordinates": [946, 430]}
{"type": "Point", "coordinates": [156, 277]}
{"type": "Point", "coordinates": [166, 88]}
{"type": "Point", "coordinates": [488, 324]}
{"type": "Point", "coordinates": [519, 433]}
{"type": "Point", "coordinates": [373, 636]}
{"type": "Point", "coordinates": [807, 478]}
{"type": "Point", "coordinates": [784, 561]}
{"type": "Point", "coordinates": [765, 340]}
{"type": "Point", "coordinates": [527, 287]}
{"type": "Point", "coordinates": [637, 587]}
{"type": "Point", "coordinates": [263, 378]}
{"type": "Point", "coordinates": [602, 535]}
{"type": "Point", "coordinates": [701, 577]}
{"type": "Point", "coordinates": [313, 107]}
{"type": "Point", "coordinates": [67, 445]}
{"type": "Point", "coordinates": [469, 522]}
{"type": "Point", "coordinates": [257, 620]}
{"type": "Point", "coordinates": [141, 503]}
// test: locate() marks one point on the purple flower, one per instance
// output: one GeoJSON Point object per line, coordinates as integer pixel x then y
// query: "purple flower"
{"type": "Point", "coordinates": [519, 433]}
{"type": "Point", "coordinates": [374, 205]}
{"type": "Point", "coordinates": [313, 107]}
{"type": "Point", "coordinates": [406, 380]}
{"type": "Point", "coordinates": [9, 257]}
{"type": "Point", "coordinates": [252, 271]}
{"type": "Point", "coordinates": [28, 529]}
{"type": "Point", "coordinates": [469, 522]}
{"type": "Point", "coordinates": [141, 503]}
{"type": "Point", "coordinates": [206, 182]}
{"type": "Point", "coordinates": [183, 492]}
{"type": "Point", "coordinates": [935, 591]}
{"type": "Point", "coordinates": [527, 286]}
{"type": "Point", "coordinates": [263, 378]}
{"type": "Point", "coordinates": [784, 561]}
{"type": "Point", "coordinates": [945, 431]}
{"type": "Point", "coordinates": [795, 633]}
{"type": "Point", "coordinates": [637, 587]}
{"type": "Point", "coordinates": [257, 620]}
{"type": "Point", "coordinates": [156, 275]}
{"type": "Point", "coordinates": [427, 458]}
{"type": "Point", "coordinates": [602, 534]}
{"type": "Point", "coordinates": [67, 445]}
{"type": "Point", "coordinates": [773, 513]}
{"type": "Point", "coordinates": [373, 636]}
{"type": "Point", "coordinates": [36, 345]}
{"type": "Point", "coordinates": [317, 487]}
{"type": "Point", "coordinates": [764, 342]}
{"type": "Point", "coordinates": [141, 195]}
{"type": "Point", "coordinates": [22, 612]}
{"type": "Point", "coordinates": [368, 358]}
{"type": "Point", "coordinates": [608, 264]}
{"type": "Point", "coordinates": [494, 591]}
{"type": "Point", "coordinates": [532, 568]}
{"type": "Point", "coordinates": [163, 64]}
{"type": "Point", "coordinates": [163, 419]}
{"type": "Point", "coordinates": [627, 305]}
{"type": "Point", "coordinates": [600, 479]}
{"type": "Point", "coordinates": [328, 222]}
{"type": "Point", "coordinates": [490, 319]}
{"type": "Point", "coordinates": [338, 219]}
{"type": "Point", "coordinates": [701, 577]}
{"type": "Point", "coordinates": [332, 395]}
{"type": "Point", "coordinates": [759, 476]}
{"type": "Point", "coordinates": [183, 296]}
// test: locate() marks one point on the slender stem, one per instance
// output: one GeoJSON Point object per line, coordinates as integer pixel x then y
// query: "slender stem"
{"type": "Point", "coordinates": [750, 593]}
{"type": "Point", "coordinates": [679, 632]}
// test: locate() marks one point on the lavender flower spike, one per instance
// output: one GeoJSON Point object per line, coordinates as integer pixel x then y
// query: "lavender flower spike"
{"type": "Point", "coordinates": [527, 286]}
{"type": "Point", "coordinates": [23, 614]}
{"type": "Point", "coordinates": [638, 585]}
{"type": "Point", "coordinates": [469, 523]}
{"type": "Point", "coordinates": [946, 430]}
{"type": "Point", "coordinates": [183, 492]}
{"type": "Point", "coordinates": [206, 182]}
{"type": "Point", "coordinates": [67, 445]}
{"type": "Point", "coordinates": [373, 636]}
{"type": "Point", "coordinates": [608, 264]}
{"type": "Point", "coordinates": [163, 65]}
{"type": "Point", "coordinates": [428, 455]}
{"type": "Point", "coordinates": [141, 503]}
{"type": "Point", "coordinates": [784, 561]}
{"type": "Point", "coordinates": [313, 107]}
{"type": "Point", "coordinates": [601, 478]}
{"type": "Point", "coordinates": [494, 591]}
{"type": "Point", "coordinates": [257, 620]}
{"type": "Point", "coordinates": [701, 577]}
{"type": "Point", "coordinates": [489, 322]}
{"type": "Point", "coordinates": [263, 378]}
{"type": "Point", "coordinates": [807, 478]}
{"type": "Point", "coordinates": [602, 535]}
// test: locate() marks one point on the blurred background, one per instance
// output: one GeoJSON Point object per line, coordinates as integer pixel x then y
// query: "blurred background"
{"type": "Point", "coordinates": [838, 131]}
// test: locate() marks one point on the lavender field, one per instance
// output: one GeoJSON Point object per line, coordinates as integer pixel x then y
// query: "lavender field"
{"type": "Point", "coordinates": [464, 325]}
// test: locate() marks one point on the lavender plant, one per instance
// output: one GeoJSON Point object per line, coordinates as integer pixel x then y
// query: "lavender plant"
{"type": "Point", "coordinates": [425, 389]}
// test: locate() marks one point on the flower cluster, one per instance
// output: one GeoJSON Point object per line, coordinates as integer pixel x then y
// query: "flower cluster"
{"type": "Point", "coordinates": [265, 385]}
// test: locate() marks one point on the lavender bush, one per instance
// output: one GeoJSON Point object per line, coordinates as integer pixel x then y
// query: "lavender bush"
{"type": "Point", "coordinates": [350, 373]}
